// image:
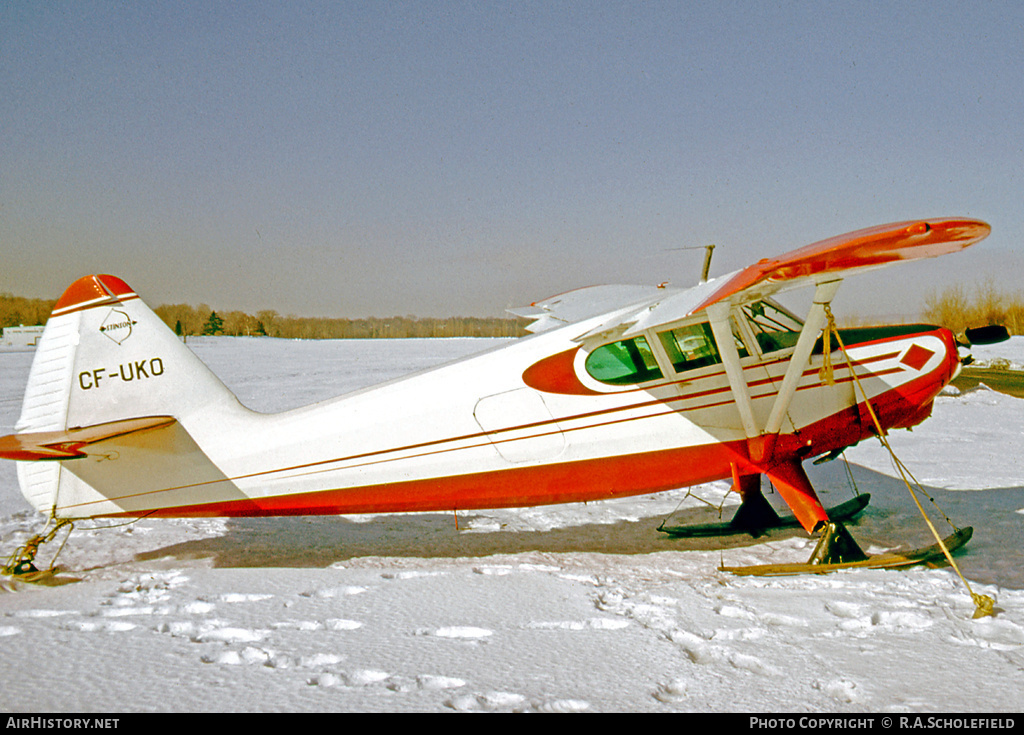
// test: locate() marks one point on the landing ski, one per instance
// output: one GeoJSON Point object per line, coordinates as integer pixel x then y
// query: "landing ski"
{"type": "Point", "coordinates": [893, 560]}
{"type": "Point", "coordinates": [841, 512]}
{"type": "Point", "coordinates": [44, 578]}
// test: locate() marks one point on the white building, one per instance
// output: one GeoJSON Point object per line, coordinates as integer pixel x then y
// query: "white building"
{"type": "Point", "coordinates": [20, 337]}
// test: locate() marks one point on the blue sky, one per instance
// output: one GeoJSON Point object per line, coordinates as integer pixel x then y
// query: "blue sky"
{"type": "Point", "coordinates": [445, 158]}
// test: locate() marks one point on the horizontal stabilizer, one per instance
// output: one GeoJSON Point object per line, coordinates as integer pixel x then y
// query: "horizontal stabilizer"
{"type": "Point", "coordinates": [68, 444]}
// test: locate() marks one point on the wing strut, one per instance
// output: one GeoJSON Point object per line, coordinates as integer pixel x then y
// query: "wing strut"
{"type": "Point", "coordinates": [718, 315]}
{"type": "Point", "coordinates": [823, 295]}
{"type": "Point", "coordinates": [762, 442]}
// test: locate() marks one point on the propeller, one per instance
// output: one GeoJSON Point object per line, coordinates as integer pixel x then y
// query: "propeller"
{"type": "Point", "coordinates": [987, 335]}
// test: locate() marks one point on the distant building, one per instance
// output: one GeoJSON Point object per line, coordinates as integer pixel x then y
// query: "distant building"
{"type": "Point", "coordinates": [20, 337]}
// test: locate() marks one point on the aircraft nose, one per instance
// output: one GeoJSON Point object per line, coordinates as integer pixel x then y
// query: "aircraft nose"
{"type": "Point", "coordinates": [953, 362]}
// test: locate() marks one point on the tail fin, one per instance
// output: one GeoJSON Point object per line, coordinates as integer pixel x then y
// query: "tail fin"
{"type": "Point", "coordinates": [106, 359]}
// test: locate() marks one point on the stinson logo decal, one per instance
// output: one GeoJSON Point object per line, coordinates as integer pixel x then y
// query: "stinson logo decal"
{"type": "Point", "coordinates": [117, 325]}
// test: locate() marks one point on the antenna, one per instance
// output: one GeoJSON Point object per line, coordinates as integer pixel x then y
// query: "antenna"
{"type": "Point", "coordinates": [709, 249]}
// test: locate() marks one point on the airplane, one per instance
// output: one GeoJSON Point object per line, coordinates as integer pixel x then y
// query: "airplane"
{"type": "Point", "coordinates": [617, 391]}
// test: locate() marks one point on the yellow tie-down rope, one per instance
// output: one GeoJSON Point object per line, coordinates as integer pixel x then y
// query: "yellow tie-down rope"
{"type": "Point", "coordinates": [985, 604]}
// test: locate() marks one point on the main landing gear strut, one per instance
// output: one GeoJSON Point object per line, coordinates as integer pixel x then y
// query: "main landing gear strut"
{"type": "Point", "coordinates": [756, 516]}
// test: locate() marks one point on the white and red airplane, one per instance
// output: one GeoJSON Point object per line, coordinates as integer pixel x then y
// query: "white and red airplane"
{"type": "Point", "coordinates": [622, 390]}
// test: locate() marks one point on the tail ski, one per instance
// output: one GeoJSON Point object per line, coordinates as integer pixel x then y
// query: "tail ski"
{"type": "Point", "coordinates": [116, 399]}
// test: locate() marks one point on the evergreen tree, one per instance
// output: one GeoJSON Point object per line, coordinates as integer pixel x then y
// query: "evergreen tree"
{"type": "Point", "coordinates": [214, 325]}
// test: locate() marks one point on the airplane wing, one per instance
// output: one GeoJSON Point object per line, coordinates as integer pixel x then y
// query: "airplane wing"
{"type": "Point", "coordinates": [583, 303]}
{"type": "Point", "coordinates": [822, 261]}
{"type": "Point", "coordinates": [853, 252]}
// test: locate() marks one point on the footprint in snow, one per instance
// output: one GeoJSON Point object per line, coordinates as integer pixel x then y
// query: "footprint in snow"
{"type": "Point", "coordinates": [233, 597]}
{"type": "Point", "coordinates": [589, 624]}
{"type": "Point", "coordinates": [124, 611]}
{"type": "Point", "coordinates": [225, 658]}
{"type": "Point", "coordinates": [430, 681]}
{"type": "Point", "coordinates": [331, 592]}
{"type": "Point", "coordinates": [465, 632]}
{"type": "Point", "coordinates": [564, 706]}
{"type": "Point", "coordinates": [697, 649]}
{"type": "Point", "coordinates": [42, 613]}
{"type": "Point", "coordinates": [841, 690]}
{"type": "Point", "coordinates": [149, 588]}
{"type": "Point", "coordinates": [230, 635]}
{"type": "Point", "coordinates": [310, 625]}
{"type": "Point", "coordinates": [342, 624]}
{"type": "Point", "coordinates": [845, 610]}
{"type": "Point", "coordinates": [411, 574]}
{"type": "Point", "coordinates": [997, 634]}
{"type": "Point", "coordinates": [511, 702]}
{"type": "Point", "coordinates": [404, 685]}
{"type": "Point", "coordinates": [354, 679]}
{"type": "Point", "coordinates": [89, 626]}
{"type": "Point", "coordinates": [754, 665]}
{"type": "Point", "coordinates": [298, 625]}
{"type": "Point", "coordinates": [488, 702]}
{"type": "Point", "coordinates": [673, 692]}
{"type": "Point", "coordinates": [320, 660]}
{"type": "Point", "coordinates": [901, 620]}
{"type": "Point", "coordinates": [249, 656]}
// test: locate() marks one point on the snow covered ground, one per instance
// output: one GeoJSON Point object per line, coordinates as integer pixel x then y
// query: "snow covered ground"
{"type": "Point", "coordinates": [1004, 354]}
{"type": "Point", "coordinates": [564, 608]}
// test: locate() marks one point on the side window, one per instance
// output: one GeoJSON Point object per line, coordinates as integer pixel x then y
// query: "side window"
{"type": "Point", "coordinates": [623, 363]}
{"type": "Point", "coordinates": [693, 346]}
{"type": "Point", "coordinates": [690, 347]}
{"type": "Point", "coordinates": [773, 326]}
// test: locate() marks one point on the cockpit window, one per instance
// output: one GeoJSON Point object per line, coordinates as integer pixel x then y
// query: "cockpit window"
{"type": "Point", "coordinates": [774, 328]}
{"type": "Point", "coordinates": [690, 347]}
{"type": "Point", "coordinates": [693, 346]}
{"type": "Point", "coordinates": [623, 363]}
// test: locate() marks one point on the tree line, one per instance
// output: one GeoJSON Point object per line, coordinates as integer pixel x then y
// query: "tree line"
{"type": "Point", "coordinates": [958, 308]}
{"type": "Point", "coordinates": [955, 307]}
{"type": "Point", "coordinates": [187, 320]}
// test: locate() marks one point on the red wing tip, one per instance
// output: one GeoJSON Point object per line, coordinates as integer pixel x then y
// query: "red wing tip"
{"type": "Point", "coordinates": [94, 290]}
